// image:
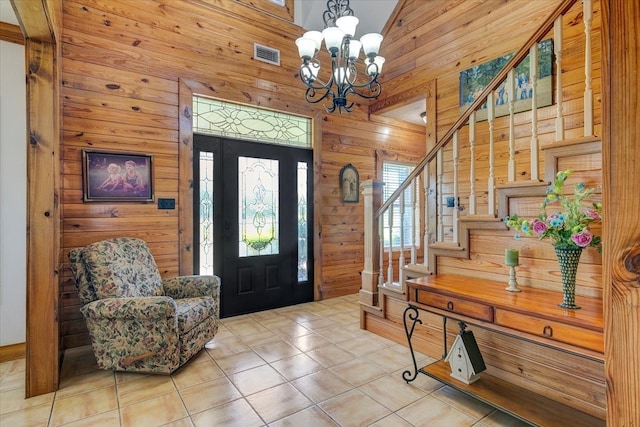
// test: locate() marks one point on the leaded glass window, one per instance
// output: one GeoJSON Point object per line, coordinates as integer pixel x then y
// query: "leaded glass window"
{"type": "Point", "coordinates": [220, 118]}
{"type": "Point", "coordinates": [303, 250]}
{"type": "Point", "coordinates": [258, 195]}
{"type": "Point", "coordinates": [206, 213]}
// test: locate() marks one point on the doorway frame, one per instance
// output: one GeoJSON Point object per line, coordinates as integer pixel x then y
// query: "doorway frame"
{"type": "Point", "coordinates": [186, 90]}
{"type": "Point", "coordinates": [227, 261]}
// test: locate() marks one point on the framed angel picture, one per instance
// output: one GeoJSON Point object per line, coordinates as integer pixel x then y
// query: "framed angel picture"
{"type": "Point", "coordinates": [349, 184]}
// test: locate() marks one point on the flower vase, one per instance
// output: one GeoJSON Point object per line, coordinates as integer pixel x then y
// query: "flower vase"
{"type": "Point", "coordinates": [568, 258]}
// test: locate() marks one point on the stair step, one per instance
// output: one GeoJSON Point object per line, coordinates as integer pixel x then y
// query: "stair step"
{"type": "Point", "coordinates": [570, 142]}
{"type": "Point", "coordinates": [393, 288]}
{"type": "Point", "coordinates": [559, 149]}
{"type": "Point", "coordinates": [418, 268]}
{"type": "Point", "coordinates": [523, 184]}
{"type": "Point", "coordinates": [479, 218]}
{"type": "Point", "coordinates": [446, 246]}
{"type": "Point", "coordinates": [511, 192]}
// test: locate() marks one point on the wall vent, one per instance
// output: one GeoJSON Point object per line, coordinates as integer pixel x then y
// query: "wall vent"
{"type": "Point", "coordinates": [266, 54]}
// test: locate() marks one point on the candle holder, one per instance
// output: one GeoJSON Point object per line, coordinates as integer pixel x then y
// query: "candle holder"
{"type": "Point", "coordinates": [511, 259]}
{"type": "Point", "coordinates": [513, 283]}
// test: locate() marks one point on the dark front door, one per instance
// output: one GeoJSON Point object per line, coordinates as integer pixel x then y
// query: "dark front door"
{"type": "Point", "coordinates": [253, 222]}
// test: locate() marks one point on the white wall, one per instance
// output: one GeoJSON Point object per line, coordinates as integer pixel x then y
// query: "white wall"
{"type": "Point", "coordinates": [13, 188]}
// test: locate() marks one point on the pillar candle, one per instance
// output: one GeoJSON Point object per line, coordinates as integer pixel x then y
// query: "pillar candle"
{"type": "Point", "coordinates": [511, 257]}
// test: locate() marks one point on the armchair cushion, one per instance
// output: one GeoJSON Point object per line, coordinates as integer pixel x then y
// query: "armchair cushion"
{"type": "Point", "coordinates": [122, 268]}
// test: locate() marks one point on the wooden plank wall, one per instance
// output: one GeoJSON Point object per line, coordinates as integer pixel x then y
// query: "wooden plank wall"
{"type": "Point", "coordinates": [121, 64]}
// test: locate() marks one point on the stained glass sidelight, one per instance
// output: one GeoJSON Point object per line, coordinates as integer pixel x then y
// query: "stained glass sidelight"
{"type": "Point", "coordinates": [206, 213]}
{"type": "Point", "coordinates": [220, 118]}
{"type": "Point", "coordinates": [258, 207]}
{"type": "Point", "coordinates": [303, 272]}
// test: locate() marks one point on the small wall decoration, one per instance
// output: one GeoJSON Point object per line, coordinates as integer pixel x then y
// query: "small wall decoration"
{"type": "Point", "coordinates": [475, 79]}
{"type": "Point", "coordinates": [112, 176]}
{"type": "Point", "coordinates": [349, 184]}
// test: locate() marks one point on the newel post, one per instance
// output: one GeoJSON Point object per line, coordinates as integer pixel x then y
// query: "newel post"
{"type": "Point", "coordinates": [372, 195]}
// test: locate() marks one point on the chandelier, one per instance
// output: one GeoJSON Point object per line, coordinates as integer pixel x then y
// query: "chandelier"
{"type": "Point", "coordinates": [340, 27]}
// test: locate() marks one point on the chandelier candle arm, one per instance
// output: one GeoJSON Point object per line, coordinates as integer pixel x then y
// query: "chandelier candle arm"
{"type": "Point", "coordinates": [342, 82]}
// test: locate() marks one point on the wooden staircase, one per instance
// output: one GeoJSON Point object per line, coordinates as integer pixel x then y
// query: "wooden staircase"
{"type": "Point", "coordinates": [447, 232]}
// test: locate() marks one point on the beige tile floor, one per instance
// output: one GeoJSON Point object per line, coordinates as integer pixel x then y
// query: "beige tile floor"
{"type": "Point", "coordinates": [305, 365]}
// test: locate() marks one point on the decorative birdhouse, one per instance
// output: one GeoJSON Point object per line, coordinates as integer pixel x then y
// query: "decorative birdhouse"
{"type": "Point", "coordinates": [465, 358]}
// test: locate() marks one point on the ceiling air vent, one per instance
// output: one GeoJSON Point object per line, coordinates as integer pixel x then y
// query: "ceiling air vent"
{"type": "Point", "coordinates": [266, 54]}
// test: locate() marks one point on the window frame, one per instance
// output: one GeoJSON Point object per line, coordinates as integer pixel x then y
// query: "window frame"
{"type": "Point", "coordinates": [412, 212]}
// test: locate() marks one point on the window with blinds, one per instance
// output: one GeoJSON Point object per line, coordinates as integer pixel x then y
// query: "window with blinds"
{"type": "Point", "coordinates": [393, 174]}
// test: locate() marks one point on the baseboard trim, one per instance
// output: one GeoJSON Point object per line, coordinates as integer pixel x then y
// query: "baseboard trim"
{"type": "Point", "coordinates": [12, 352]}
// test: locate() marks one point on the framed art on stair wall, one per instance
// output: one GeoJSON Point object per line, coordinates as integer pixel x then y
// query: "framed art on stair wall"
{"type": "Point", "coordinates": [475, 79]}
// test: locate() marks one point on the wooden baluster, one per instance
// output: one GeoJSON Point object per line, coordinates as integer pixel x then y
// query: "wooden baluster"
{"type": "Point", "coordinates": [511, 85]}
{"type": "Point", "coordinates": [427, 207]}
{"type": "Point", "coordinates": [440, 173]}
{"type": "Point", "coordinates": [390, 247]}
{"type": "Point", "coordinates": [381, 235]}
{"type": "Point", "coordinates": [557, 50]}
{"type": "Point", "coordinates": [415, 185]}
{"type": "Point", "coordinates": [401, 255]}
{"type": "Point", "coordinates": [472, 172]}
{"type": "Point", "coordinates": [491, 182]}
{"type": "Point", "coordinates": [588, 92]}
{"type": "Point", "coordinates": [533, 80]}
{"type": "Point", "coordinates": [455, 186]}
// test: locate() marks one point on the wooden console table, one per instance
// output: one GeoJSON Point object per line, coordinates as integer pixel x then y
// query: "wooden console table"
{"type": "Point", "coordinates": [531, 315]}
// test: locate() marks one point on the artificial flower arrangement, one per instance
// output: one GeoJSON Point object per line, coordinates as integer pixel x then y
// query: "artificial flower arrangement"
{"type": "Point", "coordinates": [567, 226]}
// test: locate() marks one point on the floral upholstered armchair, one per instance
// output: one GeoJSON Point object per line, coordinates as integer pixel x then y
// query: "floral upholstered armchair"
{"type": "Point", "coordinates": [137, 321]}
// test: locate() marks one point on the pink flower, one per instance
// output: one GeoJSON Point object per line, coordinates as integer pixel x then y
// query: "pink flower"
{"type": "Point", "coordinates": [582, 239]}
{"type": "Point", "coordinates": [539, 226]}
{"type": "Point", "coordinates": [593, 214]}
